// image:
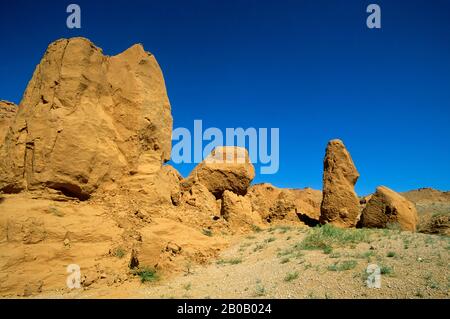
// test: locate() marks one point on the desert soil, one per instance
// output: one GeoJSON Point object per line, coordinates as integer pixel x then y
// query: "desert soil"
{"type": "Point", "coordinates": [274, 263]}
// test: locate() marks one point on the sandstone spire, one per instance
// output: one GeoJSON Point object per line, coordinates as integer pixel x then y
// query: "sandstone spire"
{"type": "Point", "coordinates": [340, 204]}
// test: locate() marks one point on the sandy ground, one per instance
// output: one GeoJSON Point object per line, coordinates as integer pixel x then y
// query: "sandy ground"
{"type": "Point", "coordinates": [272, 264]}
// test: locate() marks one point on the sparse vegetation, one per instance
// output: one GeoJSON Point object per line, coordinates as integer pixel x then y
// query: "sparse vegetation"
{"type": "Point", "coordinates": [256, 229]}
{"type": "Point", "coordinates": [119, 252]}
{"type": "Point", "coordinates": [394, 226]}
{"type": "Point", "coordinates": [285, 252]}
{"type": "Point", "coordinates": [289, 261]}
{"type": "Point", "coordinates": [391, 254]}
{"type": "Point", "coordinates": [324, 237]}
{"type": "Point", "coordinates": [386, 270]}
{"type": "Point", "coordinates": [207, 232]}
{"type": "Point", "coordinates": [430, 282]}
{"type": "Point", "coordinates": [187, 286]}
{"type": "Point", "coordinates": [440, 214]}
{"type": "Point", "coordinates": [259, 247]}
{"type": "Point", "coordinates": [147, 274]}
{"type": "Point", "coordinates": [231, 261]}
{"type": "Point", "coordinates": [244, 245]}
{"type": "Point", "coordinates": [291, 276]}
{"type": "Point", "coordinates": [282, 229]}
{"type": "Point", "coordinates": [366, 255]}
{"type": "Point", "coordinates": [342, 266]}
{"type": "Point", "coordinates": [270, 239]}
{"type": "Point", "coordinates": [290, 253]}
{"type": "Point", "coordinates": [260, 290]}
{"type": "Point", "coordinates": [307, 266]}
{"type": "Point", "coordinates": [429, 240]}
{"type": "Point", "coordinates": [188, 268]}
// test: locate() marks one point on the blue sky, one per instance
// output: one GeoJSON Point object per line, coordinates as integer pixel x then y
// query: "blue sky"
{"type": "Point", "coordinates": [310, 68]}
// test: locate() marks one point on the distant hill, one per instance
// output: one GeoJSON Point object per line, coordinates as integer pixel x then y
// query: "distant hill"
{"type": "Point", "coordinates": [433, 207]}
{"type": "Point", "coordinates": [429, 200]}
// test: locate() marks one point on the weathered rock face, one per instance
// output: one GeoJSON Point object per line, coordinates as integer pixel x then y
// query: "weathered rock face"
{"type": "Point", "coordinates": [273, 203]}
{"type": "Point", "coordinates": [226, 168]}
{"type": "Point", "coordinates": [340, 204]}
{"type": "Point", "coordinates": [237, 211]}
{"type": "Point", "coordinates": [173, 178]}
{"type": "Point", "coordinates": [85, 119]}
{"type": "Point", "coordinates": [7, 113]}
{"type": "Point", "coordinates": [388, 207]}
{"type": "Point", "coordinates": [435, 224]}
{"type": "Point", "coordinates": [199, 197]}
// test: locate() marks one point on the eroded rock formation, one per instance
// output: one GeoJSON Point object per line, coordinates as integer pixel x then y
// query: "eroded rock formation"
{"type": "Point", "coordinates": [276, 204]}
{"type": "Point", "coordinates": [386, 208]}
{"type": "Point", "coordinates": [226, 168]}
{"type": "Point", "coordinates": [86, 119]}
{"type": "Point", "coordinates": [340, 204]}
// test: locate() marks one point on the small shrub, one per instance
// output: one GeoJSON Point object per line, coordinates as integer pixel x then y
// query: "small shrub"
{"type": "Point", "coordinates": [433, 285]}
{"type": "Point", "coordinates": [188, 267]}
{"type": "Point", "coordinates": [231, 261]}
{"type": "Point", "coordinates": [285, 252]}
{"type": "Point", "coordinates": [391, 254]}
{"type": "Point", "coordinates": [259, 247]}
{"type": "Point", "coordinates": [119, 252]}
{"type": "Point", "coordinates": [291, 276]}
{"type": "Point", "coordinates": [298, 254]}
{"type": "Point", "coordinates": [290, 253]}
{"type": "Point", "coordinates": [147, 274]}
{"type": "Point", "coordinates": [187, 286]}
{"type": "Point", "coordinates": [285, 260]}
{"type": "Point", "coordinates": [345, 265]}
{"type": "Point", "coordinates": [366, 255]}
{"type": "Point", "coordinates": [207, 232]}
{"type": "Point", "coordinates": [269, 240]}
{"type": "Point", "coordinates": [333, 267]}
{"type": "Point", "coordinates": [256, 229]}
{"type": "Point", "coordinates": [260, 290]}
{"type": "Point", "coordinates": [386, 270]}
